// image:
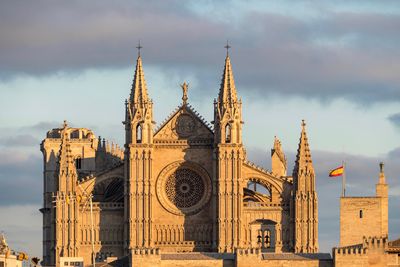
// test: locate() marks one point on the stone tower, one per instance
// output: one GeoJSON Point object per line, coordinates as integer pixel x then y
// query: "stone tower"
{"type": "Point", "coordinates": [66, 151]}
{"type": "Point", "coordinates": [229, 156]}
{"type": "Point", "coordinates": [365, 216]}
{"type": "Point", "coordinates": [138, 164]}
{"type": "Point", "coordinates": [305, 199]}
{"type": "Point", "coordinates": [66, 201]}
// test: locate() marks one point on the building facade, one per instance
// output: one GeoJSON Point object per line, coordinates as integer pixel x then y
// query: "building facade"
{"type": "Point", "coordinates": [183, 187]}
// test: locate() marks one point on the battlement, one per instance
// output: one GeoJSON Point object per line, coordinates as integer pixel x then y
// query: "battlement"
{"type": "Point", "coordinates": [350, 250]}
{"type": "Point", "coordinates": [373, 242]}
{"type": "Point", "coordinates": [368, 243]}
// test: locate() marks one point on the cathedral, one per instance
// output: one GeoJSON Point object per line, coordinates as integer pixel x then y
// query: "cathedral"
{"type": "Point", "coordinates": [182, 189]}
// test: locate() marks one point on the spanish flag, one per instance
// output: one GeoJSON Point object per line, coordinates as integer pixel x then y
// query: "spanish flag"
{"type": "Point", "coordinates": [337, 172]}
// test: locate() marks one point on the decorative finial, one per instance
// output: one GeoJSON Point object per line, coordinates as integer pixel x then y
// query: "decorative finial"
{"type": "Point", "coordinates": [138, 48]}
{"type": "Point", "coordinates": [227, 46]}
{"type": "Point", "coordinates": [65, 124]}
{"type": "Point", "coordinates": [303, 123]}
{"type": "Point", "coordinates": [185, 88]}
{"type": "Point", "coordinates": [381, 165]}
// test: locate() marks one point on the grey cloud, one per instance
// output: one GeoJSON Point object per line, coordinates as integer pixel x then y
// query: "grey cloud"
{"type": "Point", "coordinates": [337, 55]}
{"type": "Point", "coordinates": [395, 153]}
{"type": "Point", "coordinates": [21, 178]}
{"type": "Point", "coordinates": [19, 140]}
{"type": "Point", "coordinates": [42, 126]}
{"type": "Point", "coordinates": [395, 119]}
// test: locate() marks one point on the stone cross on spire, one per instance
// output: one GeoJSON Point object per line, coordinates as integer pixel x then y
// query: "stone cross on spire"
{"type": "Point", "coordinates": [227, 46]}
{"type": "Point", "coordinates": [185, 88]}
{"type": "Point", "coordinates": [138, 48]}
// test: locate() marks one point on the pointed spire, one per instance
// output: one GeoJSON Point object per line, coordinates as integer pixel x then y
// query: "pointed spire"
{"type": "Point", "coordinates": [382, 178]}
{"type": "Point", "coordinates": [139, 89]}
{"type": "Point", "coordinates": [66, 163]}
{"type": "Point", "coordinates": [227, 92]}
{"type": "Point", "coordinates": [303, 157]}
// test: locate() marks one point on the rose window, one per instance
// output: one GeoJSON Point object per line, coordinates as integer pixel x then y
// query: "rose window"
{"type": "Point", "coordinates": [184, 188]}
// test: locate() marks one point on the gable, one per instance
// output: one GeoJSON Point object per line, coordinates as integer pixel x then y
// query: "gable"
{"type": "Point", "coordinates": [184, 124]}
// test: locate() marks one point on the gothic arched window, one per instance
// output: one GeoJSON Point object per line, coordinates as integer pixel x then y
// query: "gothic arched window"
{"type": "Point", "coordinates": [138, 134]}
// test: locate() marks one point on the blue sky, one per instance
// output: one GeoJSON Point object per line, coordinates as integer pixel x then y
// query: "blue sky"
{"type": "Point", "coordinates": [334, 64]}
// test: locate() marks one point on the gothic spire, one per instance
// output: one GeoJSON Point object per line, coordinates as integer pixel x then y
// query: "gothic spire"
{"type": "Point", "coordinates": [303, 158]}
{"type": "Point", "coordinates": [227, 92]}
{"type": "Point", "coordinates": [66, 162]}
{"type": "Point", "coordinates": [139, 89]}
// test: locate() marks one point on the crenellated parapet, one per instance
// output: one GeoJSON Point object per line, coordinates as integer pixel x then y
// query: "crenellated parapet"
{"type": "Point", "coordinates": [350, 250]}
{"type": "Point", "coordinates": [371, 250]}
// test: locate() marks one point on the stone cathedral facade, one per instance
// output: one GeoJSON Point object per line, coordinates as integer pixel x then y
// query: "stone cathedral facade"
{"type": "Point", "coordinates": [182, 188]}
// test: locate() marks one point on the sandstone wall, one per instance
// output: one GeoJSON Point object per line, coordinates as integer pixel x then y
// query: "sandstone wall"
{"type": "Point", "coordinates": [354, 227]}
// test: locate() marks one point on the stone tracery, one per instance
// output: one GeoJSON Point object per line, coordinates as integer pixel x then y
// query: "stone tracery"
{"type": "Point", "coordinates": [184, 188]}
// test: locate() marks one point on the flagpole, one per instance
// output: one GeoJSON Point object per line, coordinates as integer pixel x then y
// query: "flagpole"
{"type": "Point", "coordinates": [344, 179]}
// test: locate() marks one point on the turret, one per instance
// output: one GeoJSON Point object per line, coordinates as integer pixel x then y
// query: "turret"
{"type": "Point", "coordinates": [382, 192]}
{"type": "Point", "coordinates": [305, 198]}
{"type": "Point", "coordinates": [138, 163]}
{"type": "Point", "coordinates": [228, 110]}
{"type": "Point", "coordinates": [228, 155]}
{"type": "Point", "coordinates": [381, 186]}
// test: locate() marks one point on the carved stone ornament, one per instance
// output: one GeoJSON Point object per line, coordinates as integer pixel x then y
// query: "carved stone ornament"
{"type": "Point", "coordinates": [183, 188]}
{"type": "Point", "coordinates": [185, 125]}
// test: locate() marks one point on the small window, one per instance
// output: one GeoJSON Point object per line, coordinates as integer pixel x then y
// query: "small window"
{"type": "Point", "coordinates": [66, 263]}
{"type": "Point", "coordinates": [228, 133]}
{"type": "Point", "coordinates": [361, 214]}
{"type": "Point", "coordinates": [138, 134]}
{"type": "Point", "coordinates": [78, 163]}
{"type": "Point", "coordinates": [1, 263]}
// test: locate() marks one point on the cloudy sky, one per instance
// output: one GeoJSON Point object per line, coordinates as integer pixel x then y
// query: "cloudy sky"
{"type": "Point", "coordinates": [335, 64]}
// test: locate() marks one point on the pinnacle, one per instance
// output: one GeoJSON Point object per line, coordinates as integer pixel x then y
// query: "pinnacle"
{"type": "Point", "coordinates": [227, 93]}
{"type": "Point", "coordinates": [303, 157]}
{"type": "Point", "coordinates": [139, 87]}
{"type": "Point", "coordinates": [65, 158]}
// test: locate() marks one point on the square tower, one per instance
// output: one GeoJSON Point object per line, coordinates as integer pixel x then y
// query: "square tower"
{"type": "Point", "coordinates": [364, 216]}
